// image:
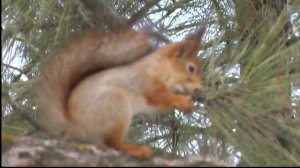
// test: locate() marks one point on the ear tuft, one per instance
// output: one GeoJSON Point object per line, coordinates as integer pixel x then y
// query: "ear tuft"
{"type": "Point", "coordinates": [191, 43]}
{"type": "Point", "coordinates": [197, 35]}
{"type": "Point", "coordinates": [183, 50]}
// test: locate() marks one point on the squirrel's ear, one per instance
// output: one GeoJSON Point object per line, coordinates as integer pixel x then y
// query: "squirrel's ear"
{"type": "Point", "coordinates": [190, 45]}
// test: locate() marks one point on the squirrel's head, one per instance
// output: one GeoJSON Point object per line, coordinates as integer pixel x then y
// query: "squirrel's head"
{"type": "Point", "coordinates": [185, 75]}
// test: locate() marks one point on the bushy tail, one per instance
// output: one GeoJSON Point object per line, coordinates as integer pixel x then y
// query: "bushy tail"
{"type": "Point", "coordinates": [92, 53]}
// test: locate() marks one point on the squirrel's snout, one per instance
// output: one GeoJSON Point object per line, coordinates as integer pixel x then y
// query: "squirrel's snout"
{"type": "Point", "coordinates": [197, 88]}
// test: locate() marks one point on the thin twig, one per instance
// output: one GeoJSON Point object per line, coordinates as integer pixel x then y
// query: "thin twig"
{"type": "Point", "coordinates": [141, 13]}
{"type": "Point", "coordinates": [105, 12]}
{"type": "Point", "coordinates": [12, 67]}
{"type": "Point", "coordinates": [84, 16]}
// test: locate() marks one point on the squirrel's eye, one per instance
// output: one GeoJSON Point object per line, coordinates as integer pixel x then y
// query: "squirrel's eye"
{"type": "Point", "coordinates": [191, 68]}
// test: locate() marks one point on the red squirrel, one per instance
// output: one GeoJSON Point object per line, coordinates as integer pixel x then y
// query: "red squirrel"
{"type": "Point", "coordinates": [91, 88]}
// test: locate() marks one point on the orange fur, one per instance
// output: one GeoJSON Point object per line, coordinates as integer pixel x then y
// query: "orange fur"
{"type": "Point", "coordinates": [163, 98]}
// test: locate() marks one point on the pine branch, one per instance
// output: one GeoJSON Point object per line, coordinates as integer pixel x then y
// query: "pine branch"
{"type": "Point", "coordinates": [110, 17]}
{"type": "Point", "coordinates": [12, 67]}
{"type": "Point", "coordinates": [24, 115]}
{"type": "Point", "coordinates": [141, 13]}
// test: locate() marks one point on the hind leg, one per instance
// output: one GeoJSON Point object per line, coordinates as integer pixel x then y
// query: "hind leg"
{"type": "Point", "coordinates": [106, 115]}
{"type": "Point", "coordinates": [116, 140]}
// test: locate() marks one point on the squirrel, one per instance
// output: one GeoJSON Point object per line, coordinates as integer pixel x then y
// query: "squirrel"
{"type": "Point", "coordinates": [91, 89]}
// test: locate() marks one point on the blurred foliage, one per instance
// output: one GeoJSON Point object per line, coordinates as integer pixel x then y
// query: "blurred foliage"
{"type": "Point", "coordinates": [251, 71]}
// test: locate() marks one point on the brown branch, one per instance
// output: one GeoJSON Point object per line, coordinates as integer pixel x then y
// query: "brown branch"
{"type": "Point", "coordinates": [141, 13]}
{"type": "Point", "coordinates": [157, 35]}
{"type": "Point", "coordinates": [83, 14]}
{"type": "Point", "coordinates": [191, 161]}
{"type": "Point", "coordinates": [170, 9]}
{"type": "Point", "coordinates": [103, 11]}
{"type": "Point", "coordinates": [218, 9]}
{"type": "Point", "coordinates": [12, 67]}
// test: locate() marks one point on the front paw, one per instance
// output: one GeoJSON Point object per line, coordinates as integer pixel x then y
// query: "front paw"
{"type": "Point", "coordinates": [185, 104]}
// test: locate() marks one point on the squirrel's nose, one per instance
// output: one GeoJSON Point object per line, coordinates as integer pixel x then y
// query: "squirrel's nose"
{"type": "Point", "coordinates": [197, 94]}
{"type": "Point", "coordinates": [197, 88]}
